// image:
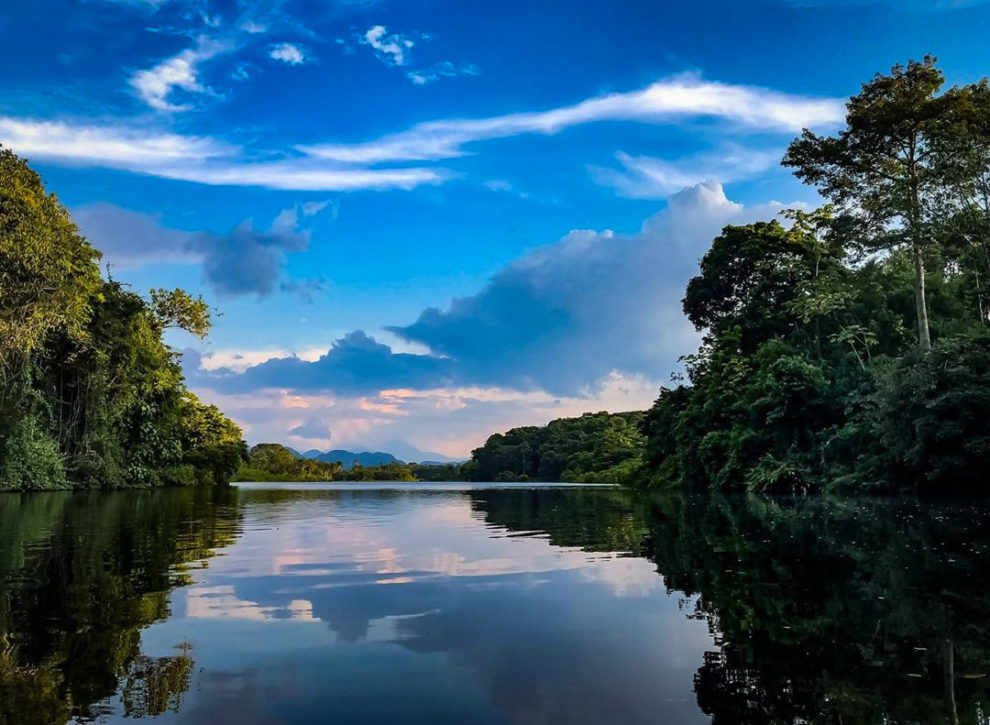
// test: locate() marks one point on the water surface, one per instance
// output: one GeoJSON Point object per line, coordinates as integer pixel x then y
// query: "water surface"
{"type": "Point", "coordinates": [450, 603]}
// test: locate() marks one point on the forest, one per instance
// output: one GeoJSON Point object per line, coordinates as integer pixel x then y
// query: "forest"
{"type": "Point", "coordinates": [90, 394]}
{"type": "Point", "coordinates": [274, 462]}
{"type": "Point", "coordinates": [849, 350]}
{"type": "Point", "coordinates": [593, 448]}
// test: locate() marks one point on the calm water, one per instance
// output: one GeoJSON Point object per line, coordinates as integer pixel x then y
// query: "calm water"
{"type": "Point", "coordinates": [444, 604]}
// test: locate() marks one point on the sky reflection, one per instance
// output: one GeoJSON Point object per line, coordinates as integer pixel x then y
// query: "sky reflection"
{"type": "Point", "coordinates": [387, 606]}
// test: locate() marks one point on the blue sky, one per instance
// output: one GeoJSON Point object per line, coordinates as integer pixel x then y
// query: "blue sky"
{"type": "Point", "coordinates": [425, 221]}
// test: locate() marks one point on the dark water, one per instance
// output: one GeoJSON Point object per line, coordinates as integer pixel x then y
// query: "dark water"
{"type": "Point", "coordinates": [447, 605]}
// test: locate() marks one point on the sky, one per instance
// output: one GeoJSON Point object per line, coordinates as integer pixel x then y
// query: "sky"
{"type": "Point", "coordinates": [425, 221]}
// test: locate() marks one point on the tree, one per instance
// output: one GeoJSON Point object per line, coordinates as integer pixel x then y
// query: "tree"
{"type": "Point", "coordinates": [90, 394]}
{"type": "Point", "coordinates": [884, 168]}
{"type": "Point", "coordinates": [178, 308]}
{"type": "Point", "coordinates": [48, 272]}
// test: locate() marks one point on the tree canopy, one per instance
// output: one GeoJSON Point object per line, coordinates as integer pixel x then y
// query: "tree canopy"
{"type": "Point", "coordinates": [90, 394]}
{"type": "Point", "coordinates": [808, 377]}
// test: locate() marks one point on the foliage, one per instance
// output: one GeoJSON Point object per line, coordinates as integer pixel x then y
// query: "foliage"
{"type": "Point", "coordinates": [596, 447]}
{"type": "Point", "coordinates": [90, 395]}
{"type": "Point", "coordinates": [273, 462]}
{"type": "Point", "coordinates": [807, 378]}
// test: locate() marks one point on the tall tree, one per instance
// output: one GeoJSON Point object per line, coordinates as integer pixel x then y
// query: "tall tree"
{"type": "Point", "coordinates": [883, 168]}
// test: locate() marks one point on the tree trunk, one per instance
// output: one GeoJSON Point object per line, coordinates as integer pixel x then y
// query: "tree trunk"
{"type": "Point", "coordinates": [924, 337]}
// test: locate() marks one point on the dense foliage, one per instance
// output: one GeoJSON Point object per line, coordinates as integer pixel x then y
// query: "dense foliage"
{"type": "Point", "coordinates": [851, 348]}
{"type": "Point", "coordinates": [594, 448]}
{"type": "Point", "coordinates": [90, 395]}
{"type": "Point", "coordinates": [273, 462]}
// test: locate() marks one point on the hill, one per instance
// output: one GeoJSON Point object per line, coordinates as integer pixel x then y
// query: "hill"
{"type": "Point", "coordinates": [594, 448]}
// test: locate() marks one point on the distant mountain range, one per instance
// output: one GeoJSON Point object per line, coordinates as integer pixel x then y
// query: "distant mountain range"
{"type": "Point", "coordinates": [374, 458]}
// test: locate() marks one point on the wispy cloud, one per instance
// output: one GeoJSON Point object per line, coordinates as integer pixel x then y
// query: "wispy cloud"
{"type": "Point", "coordinates": [443, 69]}
{"type": "Point", "coordinates": [129, 147]}
{"type": "Point", "coordinates": [363, 165]}
{"type": "Point", "coordinates": [391, 49]}
{"type": "Point", "coordinates": [288, 53]}
{"type": "Point", "coordinates": [647, 177]}
{"type": "Point", "coordinates": [678, 97]}
{"type": "Point", "coordinates": [914, 6]}
{"type": "Point", "coordinates": [197, 159]}
{"type": "Point", "coordinates": [155, 85]}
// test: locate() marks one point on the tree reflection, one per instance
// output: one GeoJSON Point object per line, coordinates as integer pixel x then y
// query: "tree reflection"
{"type": "Point", "coordinates": [825, 611]}
{"type": "Point", "coordinates": [81, 575]}
{"type": "Point", "coordinates": [154, 685]}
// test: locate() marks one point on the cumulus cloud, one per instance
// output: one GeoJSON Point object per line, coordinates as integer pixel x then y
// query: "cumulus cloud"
{"type": "Point", "coordinates": [288, 53]}
{"type": "Point", "coordinates": [356, 364]}
{"type": "Point", "coordinates": [447, 421]}
{"type": "Point", "coordinates": [243, 261]}
{"type": "Point", "coordinates": [316, 428]}
{"type": "Point", "coordinates": [647, 177]}
{"type": "Point", "coordinates": [678, 97]}
{"type": "Point", "coordinates": [569, 314]}
{"type": "Point", "coordinates": [391, 49]}
{"type": "Point", "coordinates": [561, 319]}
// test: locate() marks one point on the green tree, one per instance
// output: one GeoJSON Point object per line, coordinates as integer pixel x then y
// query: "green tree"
{"type": "Point", "coordinates": [884, 168]}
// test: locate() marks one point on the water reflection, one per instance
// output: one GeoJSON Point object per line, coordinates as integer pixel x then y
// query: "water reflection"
{"type": "Point", "coordinates": [525, 605]}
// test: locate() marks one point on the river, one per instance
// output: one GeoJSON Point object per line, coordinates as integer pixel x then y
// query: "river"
{"type": "Point", "coordinates": [460, 603]}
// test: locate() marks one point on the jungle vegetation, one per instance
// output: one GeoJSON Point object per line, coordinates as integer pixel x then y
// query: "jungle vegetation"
{"type": "Point", "coordinates": [593, 448]}
{"type": "Point", "coordinates": [274, 462]}
{"type": "Point", "coordinates": [90, 394]}
{"type": "Point", "coordinates": [849, 349]}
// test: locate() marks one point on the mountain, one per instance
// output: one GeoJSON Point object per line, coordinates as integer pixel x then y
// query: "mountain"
{"type": "Point", "coordinates": [347, 458]}
{"type": "Point", "coordinates": [399, 452]}
{"type": "Point", "coordinates": [411, 454]}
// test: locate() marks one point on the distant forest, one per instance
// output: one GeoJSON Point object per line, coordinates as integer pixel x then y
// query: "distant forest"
{"type": "Point", "coordinates": [596, 447]}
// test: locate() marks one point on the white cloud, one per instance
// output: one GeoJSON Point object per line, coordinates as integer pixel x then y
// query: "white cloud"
{"type": "Point", "coordinates": [126, 147]}
{"type": "Point", "coordinates": [155, 85]}
{"type": "Point", "coordinates": [497, 185]}
{"type": "Point", "coordinates": [450, 421]}
{"type": "Point", "coordinates": [391, 49]}
{"type": "Point", "coordinates": [594, 322]}
{"type": "Point", "coordinates": [239, 359]}
{"type": "Point", "coordinates": [198, 159]}
{"type": "Point", "coordinates": [287, 53]}
{"type": "Point", "coordinates": [443, 69]}
{"type": "Point", "coordinates": [252, 27]}
{"type": "Point", "coordinates": [345, 167]}
{"type": "Point", "coordinates": [646, 177]}
{"type": "Point", "coordinates": [573, 313]}
{"type": "Point", "coordinates": [677, 97]}
{"type": "Point", "coordinates": [500, 186]}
